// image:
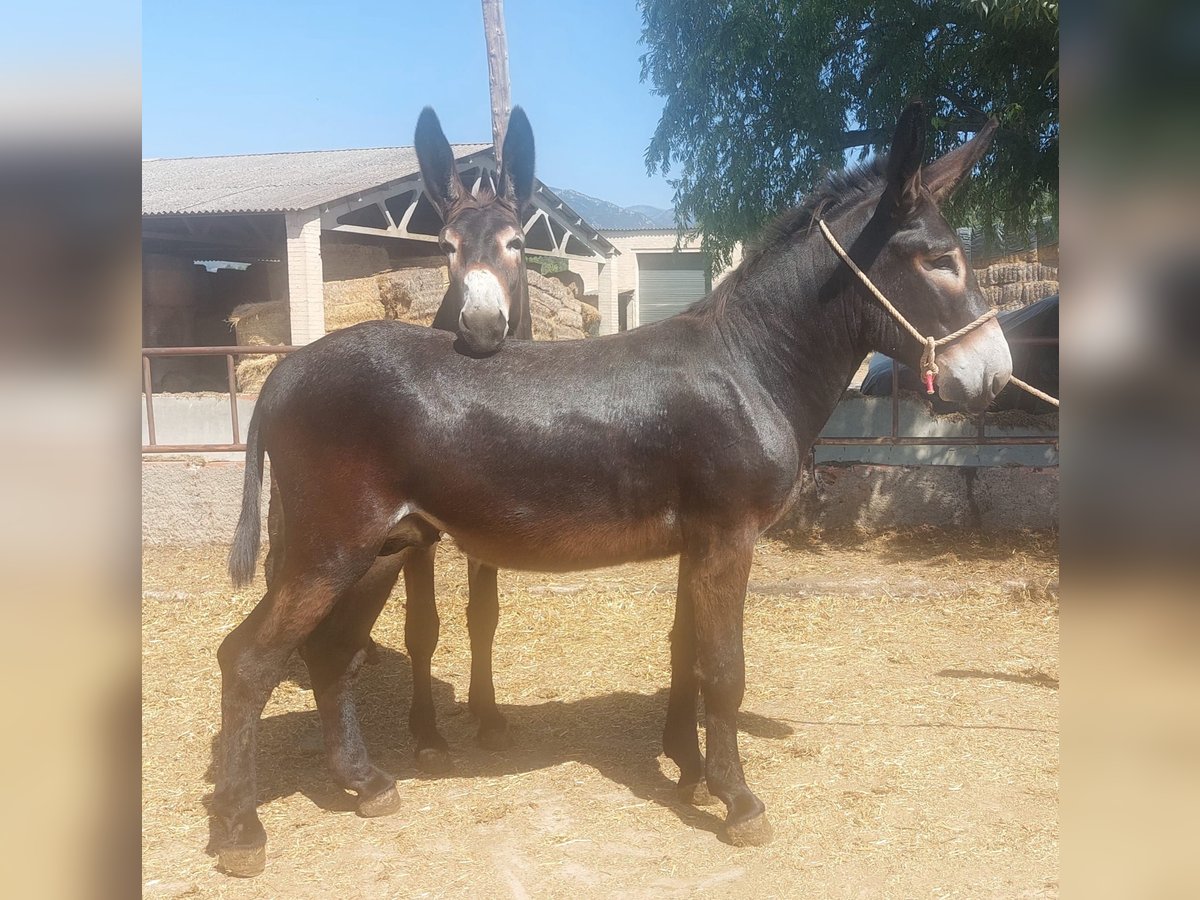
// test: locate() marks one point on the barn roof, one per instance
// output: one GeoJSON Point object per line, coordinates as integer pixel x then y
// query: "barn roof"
{"type": "Point", "coordinates": [274, 182]}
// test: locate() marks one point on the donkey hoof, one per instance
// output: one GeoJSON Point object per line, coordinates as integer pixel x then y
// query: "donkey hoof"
{"type": "Point", "coordinates": [434, 760]}
{"type": "Point", "coordinates": [243, 861]}
{"type": "Point", "coordinates": [495, 738]}
{"type": "Point", "coordinates": [696, 794]}
{"type": "Point", "coordinates": [753, 832]}
{"type": "Point", "coordinates": [382, 804]}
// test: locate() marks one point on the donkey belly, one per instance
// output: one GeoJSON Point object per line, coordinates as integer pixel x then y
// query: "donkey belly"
{"type": "Point", "coordinates": [564, 543]}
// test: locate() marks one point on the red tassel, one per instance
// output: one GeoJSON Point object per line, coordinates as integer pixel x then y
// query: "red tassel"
{"type": "Point", "coordinates": [929, 382]}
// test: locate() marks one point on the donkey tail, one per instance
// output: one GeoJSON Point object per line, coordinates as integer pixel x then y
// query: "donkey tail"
{"type": "Point", "coordinates": [244, 554]}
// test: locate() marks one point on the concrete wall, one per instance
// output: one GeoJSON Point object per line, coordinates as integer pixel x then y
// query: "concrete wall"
{"type": "Point", "coordinates": [193, 502]}
{"type": "Point", "coordinates": [877, 498]}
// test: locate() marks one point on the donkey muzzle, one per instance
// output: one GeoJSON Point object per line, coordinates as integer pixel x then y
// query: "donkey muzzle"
{"type": "Point", "coordinates": [483, 322]}
{"type": "Point", "coordinates": [975, 368]}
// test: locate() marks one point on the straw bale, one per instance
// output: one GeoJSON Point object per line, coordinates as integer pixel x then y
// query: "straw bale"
{"type": "Point", "coordinates": [259, 324]}
{"type": "Point", "coordinates": [413, 294]}
{"type": "Point", "coordinates": [1013, 296]}
{"type": "Point", "coordinates": [344, 261]}
{"type": "Point", "coordinates": [591, 319]}
{"type": "Point", "coordinates": [1015, 273]}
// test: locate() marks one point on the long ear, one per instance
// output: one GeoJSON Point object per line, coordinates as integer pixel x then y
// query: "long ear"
{"type": "Point", "coordinates": [442, 184]}
{"type": "Point", "coordinates": [904, 159]}
{"type": "Point", "coordinates": [516, 166]}
{"type": "Point", "coordinates": [943, 175]}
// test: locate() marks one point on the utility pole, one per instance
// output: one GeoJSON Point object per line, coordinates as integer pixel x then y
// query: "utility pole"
{"type": "Point", "coordinates": [497, 54]}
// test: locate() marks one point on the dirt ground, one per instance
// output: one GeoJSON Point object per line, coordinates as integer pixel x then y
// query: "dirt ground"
{"type": "Point", "coordinates": [900, 723]}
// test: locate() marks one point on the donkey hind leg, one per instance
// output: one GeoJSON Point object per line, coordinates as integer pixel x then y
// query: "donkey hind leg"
{"type": "Point", "coordinates": [717, 569]}
{"type": "Point", "coordinates": [333, 653]}
{"type": "Point", "coordinates": [274, 562]}
{"type": "Point", "coordinates": [483, 613]}
{"type": "Point", "coordinates": [421, 627]}
{"type": "Point", "coordinates": [252, 659]}
{"type": "Point", "coordinates": [681, 740]}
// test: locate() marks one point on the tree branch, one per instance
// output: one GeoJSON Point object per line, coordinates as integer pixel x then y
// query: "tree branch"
{"type": "Point", "coordinates": [863, 137]}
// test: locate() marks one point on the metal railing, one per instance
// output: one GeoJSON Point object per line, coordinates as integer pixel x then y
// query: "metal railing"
{"type": "Point", "coordinates": [230, 353]}
{"type": "Point", "coordinates": [894, 439]}
{"type": "Point", "coordinates": [979, 439]}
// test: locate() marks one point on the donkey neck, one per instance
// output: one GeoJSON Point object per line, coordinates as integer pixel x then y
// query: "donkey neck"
{"type": "Point", "coordinates": [799, 327]}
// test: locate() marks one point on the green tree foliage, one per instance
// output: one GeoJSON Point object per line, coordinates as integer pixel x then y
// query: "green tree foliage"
{"type": "Point", "coordinates": [764, 96]}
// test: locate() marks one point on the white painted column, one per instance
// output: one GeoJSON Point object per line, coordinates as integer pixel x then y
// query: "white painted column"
{"type": "Point", "coordinates": [633, 312]}
{"type": "Point", "coordinates": [306, 290]}
{"type": "Point", "coordinates": [607, 289]}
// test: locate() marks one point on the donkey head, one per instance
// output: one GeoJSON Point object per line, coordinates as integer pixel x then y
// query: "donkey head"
{"type": "Point", "coordinates": [482, 235]}
{"type": "Point", "coordinates": [917, 260]}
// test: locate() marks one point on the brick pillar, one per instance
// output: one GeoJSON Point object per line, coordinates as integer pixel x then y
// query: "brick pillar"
{"type": "Point", "coordinates": [306, 295]}
{"type": "Point", "coordinates": [607, 291]}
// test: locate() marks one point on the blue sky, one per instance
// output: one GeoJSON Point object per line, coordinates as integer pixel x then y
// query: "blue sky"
{"type": "Point", "coordinates": [256, 77]}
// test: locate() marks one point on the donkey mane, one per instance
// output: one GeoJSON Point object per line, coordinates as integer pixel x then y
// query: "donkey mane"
{"type": "Point", "coordinates": [486, 196]}
{"type": "Point", "coordinates": [838, 190]}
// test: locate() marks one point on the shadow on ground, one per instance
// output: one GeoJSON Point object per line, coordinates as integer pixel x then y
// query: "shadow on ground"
{"type": "Point", "coordinates": [618, 734]}
{"type": "Point", "coordinates": [1034, 677]}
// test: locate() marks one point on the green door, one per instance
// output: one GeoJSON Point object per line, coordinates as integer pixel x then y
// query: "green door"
{"type": "Point", "coordinates": [668, 283]}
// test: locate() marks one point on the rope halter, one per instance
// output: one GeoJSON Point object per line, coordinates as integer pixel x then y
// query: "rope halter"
{"type": "Point", "coordinates": [929, 366]}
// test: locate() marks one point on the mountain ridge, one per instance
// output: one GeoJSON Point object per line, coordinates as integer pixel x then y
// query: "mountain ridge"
{"type": "Point", "coordinates": [605, 215]}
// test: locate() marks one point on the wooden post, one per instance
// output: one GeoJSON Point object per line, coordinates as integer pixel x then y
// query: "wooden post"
{"type": "Point", "coordinates": [497, 54]}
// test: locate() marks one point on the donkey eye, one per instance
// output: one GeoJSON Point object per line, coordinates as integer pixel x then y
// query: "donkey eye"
{"type": "Point", "coordinates": [446, 247]}
{"type": "Point", "coordinates": [947, 262]}
{"type": "Point", "coordinates": [516, 244]}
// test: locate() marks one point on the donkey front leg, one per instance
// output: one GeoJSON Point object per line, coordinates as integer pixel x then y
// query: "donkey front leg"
{"type": "Point", "coordinates": [483, 614]}
{"type": "Point", "coordinates": [717, 568]}
{"type": "Point", "coordinates": [681, 740]}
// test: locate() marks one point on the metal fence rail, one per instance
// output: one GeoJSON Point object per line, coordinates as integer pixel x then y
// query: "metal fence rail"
{"type": "Point", "coordinates": [980, 439]}
{"type": "Point", "coordinates": [895, 439]}
{"type": "Point", "coordinates": [230, 354]}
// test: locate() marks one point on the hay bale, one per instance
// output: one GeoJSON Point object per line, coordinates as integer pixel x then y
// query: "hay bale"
{"type": "Point", "coordinates": [261, 324]}
{"type": "Point", "coordinates": [413, 294]}
{"type": "Point", "coordinates": [252, 371]}
{"type": "Point", "coordinates": [1014, 296]}
{"type": "Point", "coordinates": [340, 262]}
{"type": "Point", "coordinates": [1015, 273]}
{"type": "Point", "coordinates": [557, 313]}
{"type": "Point", "coordinates": [591, 319]}
{"type": "Point", "coordinates": [343, 315]}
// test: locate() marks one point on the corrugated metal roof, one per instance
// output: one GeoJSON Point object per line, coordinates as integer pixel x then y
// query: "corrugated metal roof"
{"type": "Point", "coordinates": [273, 182]}
{"type": "Point", "coordinates": [647, 230]}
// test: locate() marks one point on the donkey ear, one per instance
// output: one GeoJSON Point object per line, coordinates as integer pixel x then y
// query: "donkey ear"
{"type": "Point", "coordinates": [904, 159]}
{"type": "Point", "coordinates": [943, 175]}
{"type": "Point", "coordinates": [442, 184]}
{"type": "Point", "coordinates": [516, 166]}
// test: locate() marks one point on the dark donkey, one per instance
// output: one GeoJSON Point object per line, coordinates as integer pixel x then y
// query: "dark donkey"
{"type": "Point", "coordinates": [487, 300]}
{"type": "Point", "coordinates": [685, 437]}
